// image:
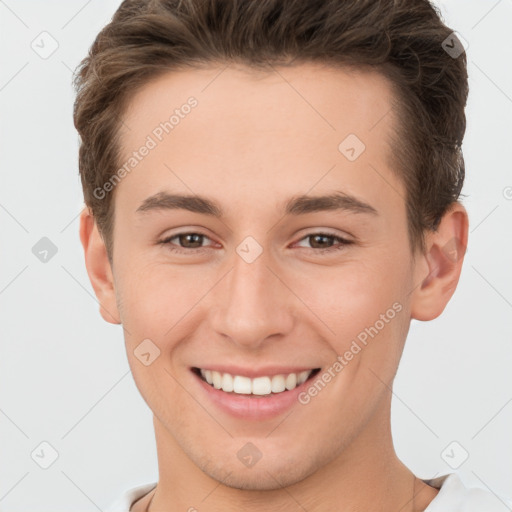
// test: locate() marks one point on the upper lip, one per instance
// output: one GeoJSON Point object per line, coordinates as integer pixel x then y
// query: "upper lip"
{"type": "Point", "coordinates": [267, 371]}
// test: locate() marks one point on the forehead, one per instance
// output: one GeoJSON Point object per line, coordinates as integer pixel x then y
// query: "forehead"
{"type": "Point", "coordinates": [327, 98]}
{"type": "Point", "coordinates": [280, 130]}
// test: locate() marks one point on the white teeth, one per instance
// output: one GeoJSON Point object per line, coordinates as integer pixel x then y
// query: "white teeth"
{"type": "Point", "coordinates": [256, 386]}
{"type": "Point", "coordinates": [227, 382]}
{"type": "Point", "coordinates": [242, 385]}
{"type": "Point", "coordinates": [302, 377]}
{"type": "Point", "coordinates": [278, 384]}
{"type": "Point", "coordinates": [261, 386]}
{"type": "Point", "coordinates": [291, 381]}
{"type": "Point", "coordinates": [217, 380]}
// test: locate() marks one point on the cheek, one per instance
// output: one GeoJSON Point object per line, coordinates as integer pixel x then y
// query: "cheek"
{"type": "Point", "coordinates": [362, 305]}
{"type": "Point", "coordinates": [157, 304]}
{"type": "Point", "coordinates": [157, 300]}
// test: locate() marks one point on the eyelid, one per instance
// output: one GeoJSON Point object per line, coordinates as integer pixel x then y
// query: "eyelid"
{"type": "Point", "coordinates": [166, 239]}
{"type": "Point", "coordinates": [342, 241]}
{"type": "Point", "coordinates": [184, 230]}
{"type": "Point", "coordinates": [326, 232]}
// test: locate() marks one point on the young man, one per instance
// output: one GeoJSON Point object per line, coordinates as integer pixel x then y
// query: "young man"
{"type": "Point", "coordinates": [272, 195]}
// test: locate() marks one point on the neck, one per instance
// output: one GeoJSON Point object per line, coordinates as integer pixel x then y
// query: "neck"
{"type": "Point", "coordinates": [366, 475]}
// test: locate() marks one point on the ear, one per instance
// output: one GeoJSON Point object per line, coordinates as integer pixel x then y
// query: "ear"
{"type": "Point", "coordinates": [438, 270]}
{"type": "Point", "coordinates": [98, 267]}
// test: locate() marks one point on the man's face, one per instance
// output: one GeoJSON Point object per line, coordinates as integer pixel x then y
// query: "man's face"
{"type": "Point", "coordinates": [259, 291]}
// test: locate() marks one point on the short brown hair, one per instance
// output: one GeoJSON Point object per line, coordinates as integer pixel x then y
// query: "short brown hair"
{"type": "Point", "coordinates": [402, 39]}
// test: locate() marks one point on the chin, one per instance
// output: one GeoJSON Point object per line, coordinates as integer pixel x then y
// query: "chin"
{"type": "Point", "coordinates": [263, 476]}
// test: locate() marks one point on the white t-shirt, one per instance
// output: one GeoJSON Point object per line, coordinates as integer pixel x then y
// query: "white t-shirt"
{"type": "Point", "coordinates": [453, 496]}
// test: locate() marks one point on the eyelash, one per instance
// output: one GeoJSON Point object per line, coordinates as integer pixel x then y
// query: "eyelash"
{"type": "Point", "coordinates": [343, 242]}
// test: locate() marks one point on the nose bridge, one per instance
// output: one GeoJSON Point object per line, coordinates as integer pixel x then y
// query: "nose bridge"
{"type": "Point", "coordinates": [252, 304]}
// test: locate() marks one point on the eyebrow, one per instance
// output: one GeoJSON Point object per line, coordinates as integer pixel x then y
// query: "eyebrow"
{"type": "Point", "coordinates": [297, 205]}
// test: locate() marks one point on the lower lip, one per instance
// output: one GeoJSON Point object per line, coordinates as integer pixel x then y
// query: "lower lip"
{"type": "Point", "coordinates": [252, 407]}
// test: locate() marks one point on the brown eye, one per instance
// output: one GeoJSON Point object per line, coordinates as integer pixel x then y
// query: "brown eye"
{"type": "Point", "coordinates": [186, 242]}
{"type": "Point", "coordinates": [190, 240]}
{"type": "Point", "coordinates": [323, 242]}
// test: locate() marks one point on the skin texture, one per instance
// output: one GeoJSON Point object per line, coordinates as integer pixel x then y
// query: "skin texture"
{"type": "Point", "coordinates": [253, 141]}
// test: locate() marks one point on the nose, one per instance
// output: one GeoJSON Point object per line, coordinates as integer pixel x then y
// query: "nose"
{"type": "Point", "coordinates": [253, 303]}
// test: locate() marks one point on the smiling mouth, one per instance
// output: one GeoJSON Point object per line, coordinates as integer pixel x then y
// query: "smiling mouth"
{"type": "Point", "coordinates": [259, 386]}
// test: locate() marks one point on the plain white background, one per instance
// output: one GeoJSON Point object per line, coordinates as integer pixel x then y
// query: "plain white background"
{"type": "Point", "coordinates": [64, 376]}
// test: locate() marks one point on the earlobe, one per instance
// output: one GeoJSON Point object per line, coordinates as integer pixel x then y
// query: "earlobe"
{"type": "Point", "coordinates": [98, 267]}
{"type": "Point", "coordinates": [438, 270]}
